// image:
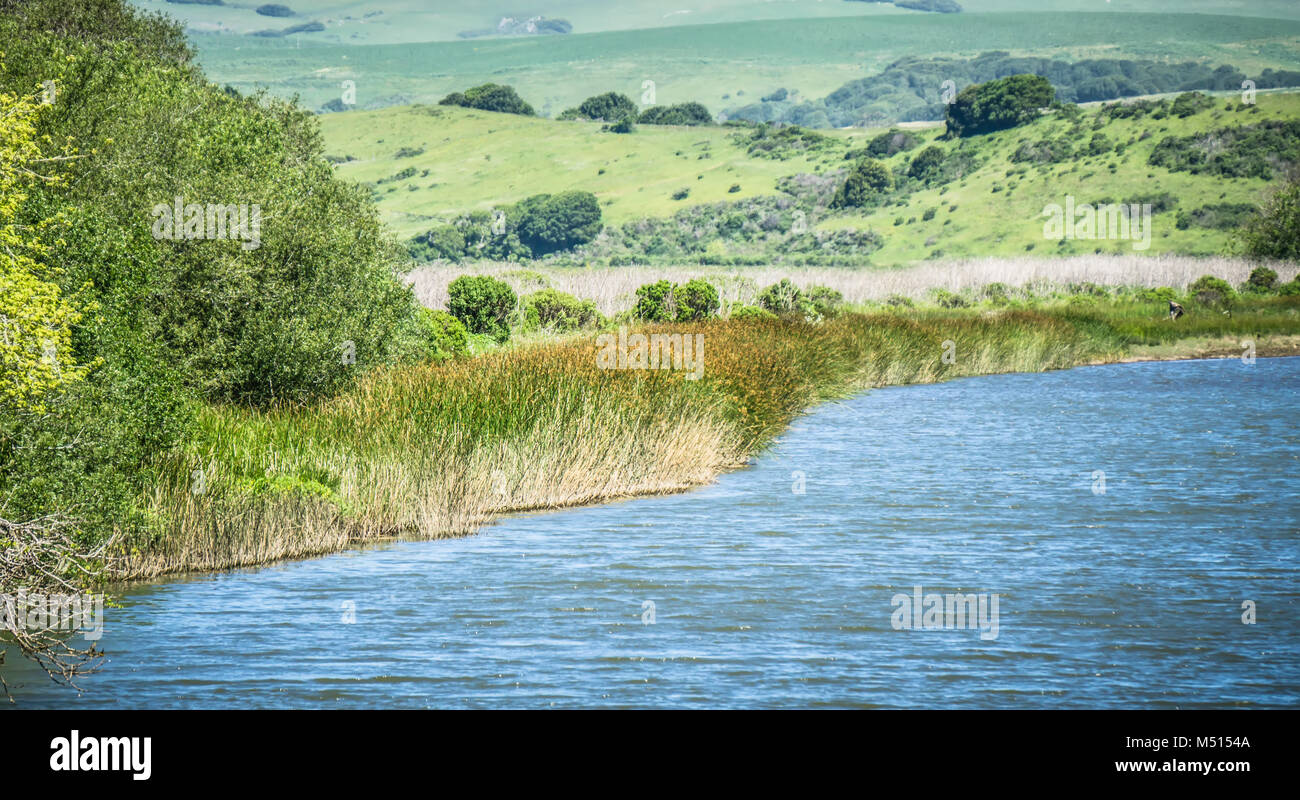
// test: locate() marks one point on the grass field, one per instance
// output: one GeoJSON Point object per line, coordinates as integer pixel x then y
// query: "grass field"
{"type": "Point", "coordinates": [726, 64]}
{"type": "Point", "coordinates": [478, 159]}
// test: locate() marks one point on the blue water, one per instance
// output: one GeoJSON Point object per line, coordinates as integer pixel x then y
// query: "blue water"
{"type": "Point", "coordinates": [1123, 595]}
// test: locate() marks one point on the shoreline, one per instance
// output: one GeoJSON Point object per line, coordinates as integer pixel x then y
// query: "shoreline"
{"type": "Point", "coordinates": [1192, 349]}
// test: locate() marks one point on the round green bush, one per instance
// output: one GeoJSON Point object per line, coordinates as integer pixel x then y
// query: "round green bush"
{"type": "Point", "coordinates": [483, 304]}
{"type": "Point", "coordinates": [551, 309]}
{"type": "Point", "coordinates": [696, 299]}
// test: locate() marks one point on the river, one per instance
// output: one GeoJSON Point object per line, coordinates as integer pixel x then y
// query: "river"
{"type": "Point", "coordinates": [1129, 519]}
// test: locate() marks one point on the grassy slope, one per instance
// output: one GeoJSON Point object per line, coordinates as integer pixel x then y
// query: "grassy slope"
{"type": "Point", "coordinates": [477, 159]}
{"type": "Point", "coordinates": [1010, 222]}
{"type": "Point", "coordinates": [708, 62]}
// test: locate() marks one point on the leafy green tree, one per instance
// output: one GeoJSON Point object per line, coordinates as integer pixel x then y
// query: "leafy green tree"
{"type": "Point", "coordinates": [998, 104]}
{"type": "Point", "coordinates": [680, 114]}
{"type": "Point", "coordinates": [36, 319]}
{"type": "Point", "coordinates": [490, 97]}
{"type": "Point", "coordinates": [483, 304]}
{"type": "Point", "coordinates": [867, 181]}
{"type": "Point", "coordinates": [558, 222]}
{"type": "Point", "coordinates": [607, 107]}
{"type": "Point", "coordinates": [928, 164]}
{"type": "Point", "coordinates": [1275, 232]}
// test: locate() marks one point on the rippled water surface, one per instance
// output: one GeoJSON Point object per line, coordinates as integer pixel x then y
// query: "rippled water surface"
{"type": "Point", "coordinates": [765, 597]}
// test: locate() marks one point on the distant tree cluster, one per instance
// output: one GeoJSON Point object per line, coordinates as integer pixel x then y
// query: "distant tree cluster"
{"type": "Point", "coordinates": [490, 97]}
{"type": "Point", "coordinates": [1247, 151]}
{"type": "Point", "coordinates": [535, 227]}
{"type": "Point", "coordinates": [911, 88]}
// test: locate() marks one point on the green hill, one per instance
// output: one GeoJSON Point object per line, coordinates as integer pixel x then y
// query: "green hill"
{"type": "Point", "coordinates": [729, 64]}
{"type": "Point", "coordinates": [457, 160]}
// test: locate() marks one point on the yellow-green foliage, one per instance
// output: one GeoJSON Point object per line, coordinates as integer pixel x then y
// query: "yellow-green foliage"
{"type": "Point", "coordinates": [35, 319]}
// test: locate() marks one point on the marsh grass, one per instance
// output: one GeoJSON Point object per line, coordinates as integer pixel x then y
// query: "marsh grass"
{"type": "Point", "coordinates": [441, 449]}
{"type": "Point", "coordinates": [614, 288]}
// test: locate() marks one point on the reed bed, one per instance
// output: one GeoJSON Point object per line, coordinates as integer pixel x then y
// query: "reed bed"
{"type": "Point", "coordinates": [613, 288]}
{"type": "Point", "coordinates": [441, 449]}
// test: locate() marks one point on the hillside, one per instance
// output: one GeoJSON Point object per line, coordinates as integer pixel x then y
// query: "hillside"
{"type": "Point", "coordinates": [477, 160]}
{"type": "Point", "coordinates": [725, 65]}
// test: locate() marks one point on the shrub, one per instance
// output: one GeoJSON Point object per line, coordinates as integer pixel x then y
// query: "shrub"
{"type": "Point", "coordinates": [1213, 292]}
{"type": "Point", "coordinates": [868, 180]}
{"type": "Point", "coordinates": [696, 300]}
{"type": "Point", "coordinates": [443, 334]}
{"type": "Point", "coordinates": [655, 302]}
{"type": "Point", "coordinates": [890, 142]}
{"type": "Point", "coordinates": [554, 310]}
{"type": "Point", "coordinates": [927, 164]}
{"type": "Point", "coordinates": [823, 301]}
{"type": "Point", "coordinates": [1262, 279]}
{"type": "Point", "coordinates": [483, 304]}
{"type": "Point", "coordinates": [781, 298]}
{"type": "Point", "coordinates": [947, 299]}
{"type": "Point", "coordinates": [742, 311]}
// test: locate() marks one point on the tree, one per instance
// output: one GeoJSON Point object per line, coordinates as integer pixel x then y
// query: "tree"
{"type": "Point", "coordinates": [681, 114]}
{"type": "Point", "coordinates": [558, 222]}
{"type": "Point", "coordinates": [36, 320]}
{"type": "Point", "coordinates": [607, 107]}
{"type": "Point", "coordinates": [1275, 232]}
{"type": "Point", "coordinates": [490, 97]}
{"type": "Point", "coordinates": [998, 104]}
{"type": "Point", "coordinates": [927, 164]}
{"type": "Point", "coordinates": [868, 180]}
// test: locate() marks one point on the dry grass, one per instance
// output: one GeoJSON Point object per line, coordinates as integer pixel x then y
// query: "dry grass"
{"type": "Point", "coordinates": [613, 288]}
{"type": "Point", "coordinates": [438, 450]}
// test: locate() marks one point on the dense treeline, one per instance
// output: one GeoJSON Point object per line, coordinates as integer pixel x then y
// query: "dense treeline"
{"type": "Point", "coordinates": [912, 88]}
{"type": "Point", "coordinates": [206, 250]}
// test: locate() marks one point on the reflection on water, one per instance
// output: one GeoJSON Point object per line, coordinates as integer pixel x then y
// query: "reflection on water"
{"type": "Point", "coordinates": [1121, 514]}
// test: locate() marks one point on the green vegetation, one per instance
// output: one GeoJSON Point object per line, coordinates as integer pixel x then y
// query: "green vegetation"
{"type": "Point", "coordinates": [489, 97]}
{"type": "Point", "coordinates": [680, 114]}
{"type": "Point", "coordinates": [484, 305]}
{"type": "Point", "coordinates": [998, 105]}
{"type": "Point", "coordinates": [694, 61]}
